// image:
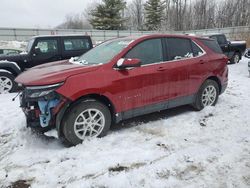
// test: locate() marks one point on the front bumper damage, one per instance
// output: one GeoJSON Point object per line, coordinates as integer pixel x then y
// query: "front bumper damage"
{"type": "Point", "coordinates": [41, 112]}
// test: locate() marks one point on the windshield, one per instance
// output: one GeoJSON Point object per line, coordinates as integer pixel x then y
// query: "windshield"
{"type": "Point", "coordinates": [29, 45]}
{"type": "Point", "coordinates": [103, 53]}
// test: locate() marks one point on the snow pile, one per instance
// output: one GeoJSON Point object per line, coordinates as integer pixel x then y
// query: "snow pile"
{"type": "Point", "coordinates": [175, 148]}
{"type": "Point", "coordinates": [13, 44]}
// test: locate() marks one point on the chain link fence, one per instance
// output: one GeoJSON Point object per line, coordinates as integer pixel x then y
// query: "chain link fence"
{"type": "Point", "coordinates": [23, 34]}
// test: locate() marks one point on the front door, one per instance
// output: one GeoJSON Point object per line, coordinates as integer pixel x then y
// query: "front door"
{"type": "Point", "coordinates": [142, 87]}
{"type": "Point", "coordinates": [45, 50]}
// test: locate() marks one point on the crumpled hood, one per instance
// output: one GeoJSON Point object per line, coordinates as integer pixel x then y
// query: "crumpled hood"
{"type": "Point", "coordinates": [51, 73]}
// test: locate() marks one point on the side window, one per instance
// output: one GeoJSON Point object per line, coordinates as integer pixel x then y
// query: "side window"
{"type": "Point", "coordinates": [149, 51]}
{"type": "Point", "coordinates": [179, 48]}
{"type": "Point", "coordinates": [10, 52]}
{"type": "Point", "coordinates": [47, 46]}
{"type": "Point", "coordinates": [214, 37]}
{"type": "Point", "coordinates": [212, 44]}
{"type": "Point", "coordinates": [196, 50]}
{"type": "Point", "coordinates": [220, 39]}
{"type": "Point", "coordinates": [76, 44]}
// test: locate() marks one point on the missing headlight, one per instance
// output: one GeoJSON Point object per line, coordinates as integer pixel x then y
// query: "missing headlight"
{"type": "Point", "coordinates": [41, 91]}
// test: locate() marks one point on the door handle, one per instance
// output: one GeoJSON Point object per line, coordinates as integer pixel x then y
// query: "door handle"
{"type": "Point", "coordinates": [201, 61]}
{"type": "Point", "coordinates": [161, 69]}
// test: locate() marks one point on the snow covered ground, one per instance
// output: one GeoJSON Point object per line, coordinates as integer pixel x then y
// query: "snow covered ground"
{"type": "Point", "coordinates": [175, 148]}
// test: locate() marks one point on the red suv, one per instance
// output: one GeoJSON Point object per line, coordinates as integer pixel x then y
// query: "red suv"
{"type": "Point", "coordinates": [120, 79]}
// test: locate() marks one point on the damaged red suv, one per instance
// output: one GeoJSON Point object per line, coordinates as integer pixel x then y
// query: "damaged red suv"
{"type": "Point", "coordinates": [120, 79]}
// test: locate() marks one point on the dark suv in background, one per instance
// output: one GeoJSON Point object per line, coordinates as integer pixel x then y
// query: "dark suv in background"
{"type": "Point", "coordinates": [40, 50]}
{"type": "Point", "coordinates": [234, 50]}
{"type": "Point", "coordinates": [120, 79]}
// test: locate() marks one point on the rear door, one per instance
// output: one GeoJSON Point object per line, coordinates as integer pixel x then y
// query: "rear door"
{"type": "Point", "coordinates": [45, 50]}
{"type": "Point", "coordinates": [181, 62]}
{"type": "Point", "coordinates": [179, 54]}
{"type": "Point", "coordinates": [75, 46]}
{"type": "Point", "coordinates": [199, 68]}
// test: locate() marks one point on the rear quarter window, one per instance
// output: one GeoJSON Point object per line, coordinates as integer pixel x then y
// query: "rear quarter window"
{"type": "Point", "coordinates": [212, 44]}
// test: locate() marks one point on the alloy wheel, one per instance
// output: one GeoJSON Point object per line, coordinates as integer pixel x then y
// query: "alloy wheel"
{"type": "Point", "coordinates": [89, 123]}
{"type": "Point", "coordinates": [236, 58]}
{"type": "Point", "coordinates": [209, 95]}
{"type": "Point", "coordinates": [5, 84]}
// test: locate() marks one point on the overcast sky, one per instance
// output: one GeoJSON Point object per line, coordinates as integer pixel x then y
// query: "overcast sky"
{"type": "Point", "coordinates": [38, 13]}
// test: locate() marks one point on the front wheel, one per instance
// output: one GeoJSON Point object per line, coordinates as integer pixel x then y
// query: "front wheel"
{"type": "Point", "coordinates": [207, 95]}
{"type": "Point", "coordinates": [7, 83]}
{"type": "Point", "coordinates": [87, 119]}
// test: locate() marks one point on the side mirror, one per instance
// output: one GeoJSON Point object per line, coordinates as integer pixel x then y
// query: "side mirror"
{"type": "Point", "coordinates": [128, 63]}
{"type": "Point", "coordinates": [37, 50]}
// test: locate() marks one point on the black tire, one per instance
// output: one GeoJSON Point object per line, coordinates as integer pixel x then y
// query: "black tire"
{"type": "Point", "coordinates": [11, 78]}
{"type": "Point", "coordinates": [198, 105]}
{"type": "Point", "coordinates": [236, 58]}
{"type": "Point", "coordinates": [70, 136]}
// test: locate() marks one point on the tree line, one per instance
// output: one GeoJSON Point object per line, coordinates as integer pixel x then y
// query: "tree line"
{"type": "Point", "coordinates": [161, 15]}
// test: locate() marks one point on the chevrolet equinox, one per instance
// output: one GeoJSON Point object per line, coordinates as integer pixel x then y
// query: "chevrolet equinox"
{"type": "Point", "coordinates": [120, 79]}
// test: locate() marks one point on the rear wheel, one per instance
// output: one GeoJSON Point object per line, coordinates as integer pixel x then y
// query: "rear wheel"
{"type": "Point", "coordinates": [7, 83]}
{"type": "Point", "coordinates": [235, 58]}
{"type": "Point", "coordinates": [207, 95]}
{"type": "Point", "coordinates": [84, 120]}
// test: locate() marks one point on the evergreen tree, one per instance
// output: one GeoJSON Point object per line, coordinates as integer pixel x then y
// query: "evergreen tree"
{"type": "Point", "coordinates": [154, 14]}
{"type": "Point", "coordinates": [108, 15]}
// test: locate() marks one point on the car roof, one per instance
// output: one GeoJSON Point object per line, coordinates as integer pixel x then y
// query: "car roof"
{"type": "Point", "coordinates": [213, 34]}
{"type": "Point", "coordinates": [66, 35]}
{"type": "Point", "coordinates": [148, 36]}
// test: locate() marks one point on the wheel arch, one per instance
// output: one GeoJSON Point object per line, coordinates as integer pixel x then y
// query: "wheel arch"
{"type": "Point", "coordinates": [11, 67]}
{"type": "Point", "coordinates": [11, 71]}
{"type": "Point", "coordinates": [94, 96]}
{"type": "Point", "coordinates": [100, 98]}
{"type": "Point", "coordinates": [217, 80]}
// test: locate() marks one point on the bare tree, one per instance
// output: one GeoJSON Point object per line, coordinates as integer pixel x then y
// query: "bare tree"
{"type": "Point", "coordinates": [180, 7]}
{"type": "Point", "coordinates": [135, 14]}
{"type": "Point", "coordinates": [177, 15]}
{"type": "Point", "coordinates": [74, 21]}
